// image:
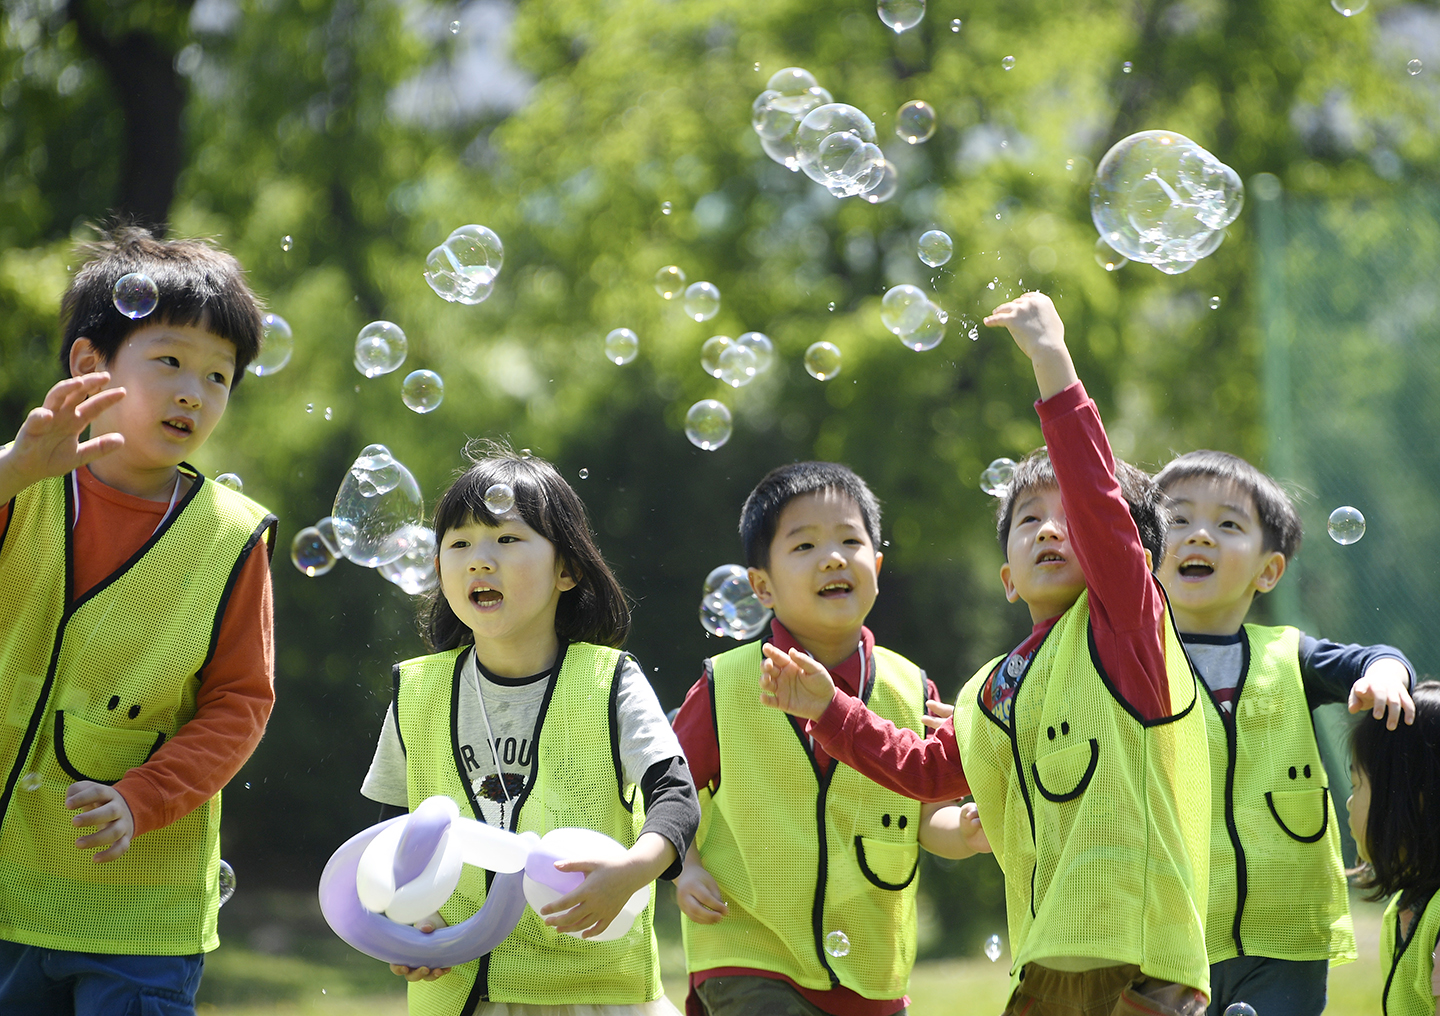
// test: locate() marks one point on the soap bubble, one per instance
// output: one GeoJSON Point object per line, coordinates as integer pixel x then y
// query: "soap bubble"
{"type": "Point", "coordinates": [1350, 9]}
{"type": "Point", "coordinates": [1008, 63]}
{"type": "Point", "coordinates": [837, 944]}
{"type": "Point", "coordinates": [499, 498]}
{"type": "Point", "coordinates": [929, 331]}
{"type": "Point", "coordinates": [729, 607]}
{"type": "Point", "coordinates": [326, 528]}
{"type": "Point", "coordinates": [454, 28]}
{"type": "Point", "coordinates": [376, 501]}
{"type": "Point", "coordinates": [1346, 525]}
{"type": "Point", "coordinates": [1214, 303]}
{"type": "Point", "coordinates": [414, 571]}
{"type": "Point", "coordinates": [708, 425]}
{"type": "Point", "coordinates": [379, 348]}
{"type": "Point", "coordinates": [1175, 267]}
{"type": "Point", "coordinates": [997, 476]}
{"type": "Point", "coordinates": [710, 353]}
{"type": "Point", "coordinates": [901, 14]}
{"type": "Point", "coordinates": [1107, 258]}
{"type": "Point", "coordinates": [702, 301]}
{"type": "Point", "coordinates": [621, 346]}
{"type": "Point", "coordinates": [903, 309]}
{"type": "Point", "coordinates": [275, 348]}
{"type": "Point", "coordinates": [1239, 1009]}
{"type": "Point", "coordinates": [992, 948]}
{"type": "Point", "coordinates": [1414, 67]}
{"type": "Point", "coordinates": [915, 122]}
{"type": "Point", "coordinates": [822, 360]}
{"type": "Point", "coordinates": [423, 391]}
{"type": "Point", "coordinates": [936, 247]}
{"type": "Point", "coordinates": [1160, 198]}
{"type": "Point", "coordinates": [311, 553]}
{"type": "Point", "coordinates": [885, 181]}
{"type": "Point", "coordinates": [666, 208]}
{"type": "Point", "coordinates": [955, 25]}
{"type": "Point", "coordinates": [835, 144]}
{"type": "Point", "coordinates": [231, 480]}
{"type": "Point", "coordinates": [759, 343]}
{"type": "Point", "coordinates": [669, 281]}
{"type": "Point", "coordinates": [226, 878]}
{"type": "Point", "coordinates": [584, 474]}
{"type": "Point", "coordinates": [1126, 67]}
{"type": "Point", "coordinates": [737, 365]}
{"type": "Point", "coordinates": [136, 295]}
{"type": "Point", "coordinates": [286, 242]}
{"type": "Point", "coordinates": [776, 113]}
{"type": "Point", "coordinates": [30, 782]}
{"type": "Point", "coordinates": [463, 268]}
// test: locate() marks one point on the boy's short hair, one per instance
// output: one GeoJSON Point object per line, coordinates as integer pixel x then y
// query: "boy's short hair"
{"type": "Point", "coordinates": [198, 285]}
{"type": "Point", "coordinates": [1278, 519]}
{"type": "Point", "coordinates": [1141, 492]}
{"type": "Point", "coordinates": [780, 486]}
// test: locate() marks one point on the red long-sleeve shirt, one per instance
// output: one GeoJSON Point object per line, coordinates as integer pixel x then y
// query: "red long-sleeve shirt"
{"type": "Point", "coordinates": [1127, 608]}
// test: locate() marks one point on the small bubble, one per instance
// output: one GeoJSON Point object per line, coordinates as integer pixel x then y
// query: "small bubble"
{"type": "Point", "coordinates": [30, 782]}
{"type": "Point", "coordinates": [1214, 303]}
{"type": "Point", "coordinates": [915, 122]}
{"type": "Point", "coordinates": [311, 554]}
{"type": "Point", "coordinates": [955, 25]}
{"type": "Point", "coordinates": [226, 878]}
{"type": "Point", "coordinates": [499, 498]}
{"type": "Point", "coordinates": [584, 474]}
{"type": "Point", "coordinates": [276, 344]}
{"type": "Point", "coordinates": [379, 348]}
{"type": "Point", "coordinates": [1107, 258]}
{"type": "Point", "coordinates": [231, 480]}
{"type": "Point", "coordinates": [309, 407]}
{"type": "Point", "coordinates": [1126, 67]}
{"type": "Point", "coordinates": [666, 208]}
{"type": "Point", "coordinates": [757, 67]}
{"type": "Point", "coordinates": [329, 413]}
{"type": "Point", "coordinates": [669, 281]}
{"type": "Point", "coordinates": [136, 295]}
{"type": "Point", "coordinates": [997, 476]}
{"type": "Point", "coordinates": [1346, 525]}
{"type": "Point", "coordinates": [1069, 165]}
{"type": "Point", "coordinates": [832, 306]}
{"type": "Point", "coordinates": [708, 424]}
{"type": "Point", "coordinates": [622, 345]}
{"type": "Point", "coordinates": [837, 944]}
{"type": "Point", "coordinates": [423, 391]}
{"type": "Point", "coordinates": [702, 301]}
{"type": "Point", "coordinates": [1239, 1009]}
{"type": "Point", "coordinates": [737, 365]}
{"type": "Point", "coordinates": [729, 607]}
{"type": "Point", "coordinates": [1414, 67]}
{"type": "Point", "coordinates": [935, 248]}
{"type": "Point", "coordinates": [1351, 8]}
{"type": "Point", "coordinates": [901, 14]}
{"type": "Point", "coordinates": [822, 361]}
{"type": "Point", "coordinates": [286, 242]}
{"type": "Point", "coordinates": [759, 343]}
{"type": "Point", "coordinates": [1008, 62]}
{"type": "Point", "coordinates": [992, 948]}
{"type": "Point", "coordinates": [710, 353]}
{"type": "Point", "coordinates": [454, 28]}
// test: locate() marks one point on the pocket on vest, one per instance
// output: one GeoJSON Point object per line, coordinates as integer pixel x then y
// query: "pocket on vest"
{"type": "Point", "coordinates": [1063, 775]}
{"type": "Point", "coordinates": [1303, 815]}
{"type": "Point", "coordinates": [889, 866]}
{"type": "Point", "coordinates": [89, 751]}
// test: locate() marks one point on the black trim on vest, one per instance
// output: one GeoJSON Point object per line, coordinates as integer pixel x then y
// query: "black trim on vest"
{"type": "Point", "coordinates": [480, 989]}
{"type": "Point", "coordinates": [614, 720]}
{"type": "Point", "coordinates": [267, 524]}
{"type": "Point", "coordinates": [1232, 751]}
{"type": "Point", "coordinates": [822, 868]}
{"type": "Point", "coordinates": [1115, 692]}
{"type": "Point", "coordinates": [875, 879]}
{"type": "Point", "coordinates": [1402, 943]}
{"type": "Point", "coordinates": [64, 760]}
{"type": "Point", "coordinates": [709, 666]}
{"type": "Point", "coordinates": [395, 704]}
{"type": "Point", "coordinates": [1324, 817]}
{"type": "Point", "coordinates": [5, 530]}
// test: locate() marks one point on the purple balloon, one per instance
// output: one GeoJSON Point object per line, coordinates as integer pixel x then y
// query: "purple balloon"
{"type": "Point", "coordinates": [378, 936]}
{"type": "Point", "coordinates": [421, 836]}
{"type": "Point", "coordinates": [540, 866]}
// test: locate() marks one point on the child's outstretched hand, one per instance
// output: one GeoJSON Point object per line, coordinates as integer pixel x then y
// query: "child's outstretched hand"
{"type": "Point", "coordinates": [593, 904]}
{"type": "Point", "coordinates": [698, 893]}
{"type": "Point", "coordinates": [795, 683]}
{"type": "Point", "coordinates": [101, 806]}
{"type": "Point", "coordinates": [936, 713]}
{"type": "Point", "coordinates": [1384, 689]}
{"type": "Point", "coordinates": [1038, 331]}
{"type": "Point", "coordinates": [427, 925]}
{"type": "Point", "coordinates": [48, 443]}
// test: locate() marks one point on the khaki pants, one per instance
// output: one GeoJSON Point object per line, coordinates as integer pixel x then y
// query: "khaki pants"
{"type": "Point", "coordinates": [1106, 991]}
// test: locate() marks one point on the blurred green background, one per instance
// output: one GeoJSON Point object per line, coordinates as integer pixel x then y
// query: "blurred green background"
{"type": "Point", "coordinates": [365, 132]}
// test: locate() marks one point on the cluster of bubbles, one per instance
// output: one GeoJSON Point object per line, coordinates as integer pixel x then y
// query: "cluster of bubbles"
{"type": "Point", "coordinates": [1160, 198]}
{"type": "Point", "coordinates": [995, 479]}
{"type": "Point", "coordinates": [910, 314]}
{"type": "Point", "coordinates": [901, 15]}
{"type": "Point", "coordinates": [992, 948]}
{"type": "Point", "coordinates": [935, 247]}
{"type": "Point", "coordinates": [380, 348]}
{"type": "Point", "coordinates": [803, 128]}
{"type": "Point", "coordinates": [729, 607]}
{"type": "Point", "coordinates": [708, 424]}
{"type": "Point", "coordinates": [463, 268]}
{"type": "Point", "coordinates": [423, 391]}
{"type": "Point", "coordinates": [135, 295]}
{"type": "Point", "coordinates": [231, 480]}
{"type": "Point", "coordinates": [737, 362]}
{"type": "Point", "coordinates": [822, 360]}
{"type": "Point", "coordinates": [1346, 525]}
{"type": "Point", "coordinates": [837, 943]}
{"type": "Point", "coordinates": [376, 521]}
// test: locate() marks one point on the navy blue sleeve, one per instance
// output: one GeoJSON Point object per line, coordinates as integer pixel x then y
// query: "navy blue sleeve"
{"type": "Point", "coordinates": [1328, 669]}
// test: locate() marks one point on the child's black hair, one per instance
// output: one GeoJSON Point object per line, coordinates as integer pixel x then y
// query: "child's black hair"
{"type": "Point", "coordinates": [1402, 828]}
{"type": "Point", "coordinates": [198, 285]}
{"type": "Point", "coordinates": [1142, 494]}
{"type": "Point", "coordinates": [1279, 522]}
{"type": "Point", "coordinates": [780, 486]}
{"type": "Point", "coordinates": [594, 610]}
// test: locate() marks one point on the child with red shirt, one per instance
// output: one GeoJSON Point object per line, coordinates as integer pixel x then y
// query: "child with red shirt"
{"type": "Point", "coordinates": [1083, 746]}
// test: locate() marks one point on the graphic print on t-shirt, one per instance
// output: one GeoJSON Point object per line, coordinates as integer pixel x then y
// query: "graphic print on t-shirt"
{"type": "Point", "coordinates": [495, 807]}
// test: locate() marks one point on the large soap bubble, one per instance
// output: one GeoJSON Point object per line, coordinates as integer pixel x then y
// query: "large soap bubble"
{"type": "Point", "coordinates": [777, 111]}
{"type": "Point", "coordinates": [423, 391]}
{"type": "Point", "coordinates": [414, 571]}
{"type": "Point", "coordinates": [708, 424]}
{"type": "Point", "coordinates": [1346, 525]}
{"type": "Point", "coordinates": [136, 295]}
{"type": "Point", "coordinates": [463, 268]}
{"type": "Point", "coordinates": [822, 360]}
{"type": "Point", "coordinates": [702, 300]}
{"type": "Point", "coordinates": [669, 280]}
{"type": "Point", "coordinates": [885, 181]}
{"type": "Point", "coordinates": [935, 247]}
{"type": "Point", "coordinates": [729, 607]}
{"type": "Point", "coordinates": [276, 347]}
{"type": "Point", "coordinates": [1160, 198]}
{"type": "Point", "coordinates": [377, 501]}
{"type": "Point", "coordinates": [710, 353]}
{"type": "Point", "coordinates": [380, 348]}
{"type": "Point", "coordinates": [737, 365]}
{"type": "Point", "coordinates": [621, 345]}
{"type": "Point", "coordinates": [836, 147]}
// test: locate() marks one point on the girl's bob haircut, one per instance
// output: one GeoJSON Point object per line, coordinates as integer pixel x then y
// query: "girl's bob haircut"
{"type": "Point", "coordinates": [595, 610]}
{"type": "Point", "coordinates": [1403, 826]}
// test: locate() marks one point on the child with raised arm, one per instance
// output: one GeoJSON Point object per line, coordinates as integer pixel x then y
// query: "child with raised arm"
{"type": "Point", "coordinates": [136, 655]}
{"type": "Point", "coordinates": [1279, 910]}
{"type": "Point", "coordinates": [798, 897]}
{"type": "Point", "coordinates": [1084, 746]}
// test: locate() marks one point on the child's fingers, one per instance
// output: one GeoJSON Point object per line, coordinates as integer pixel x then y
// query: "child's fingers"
{"type": "Point", "coordinates": [85, 412]}
{"type": "Point", "coordinates": [96, 447]}
{"type": "Point", "coordinates": [1407, 705]}
{"type": "Point", "coordinates": [934, 722]}
{"type": "Point", "coordinates": [83, 793]}
{"type": "Point", "coordinates": [103, 815]}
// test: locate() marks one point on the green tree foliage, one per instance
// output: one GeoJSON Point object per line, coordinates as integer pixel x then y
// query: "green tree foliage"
{"type": "Point", "coordinates": [295, 124]}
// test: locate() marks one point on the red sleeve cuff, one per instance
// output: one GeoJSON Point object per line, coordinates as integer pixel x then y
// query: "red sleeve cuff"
{"type": "Point", "coordinates": [1067, 400]}
{"type": "Point", "coordinates": [145, 801]}
{"type": "Point", "coordinates": [831, 723]}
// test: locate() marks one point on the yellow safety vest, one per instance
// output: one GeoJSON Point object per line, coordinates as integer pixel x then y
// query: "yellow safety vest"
{"type": "Point", "coordinates": [802, 853]}
{"type": "Point", "coordinates": [91, 689]}
{"type": "Point", "coordinates": [1277, 884]}
{"type": "Point", "coordinates": [1099, 820]}
{"type": "Point", "coordinates": [1408, 986]}
{"type": "Point", "coordinates": [576, 781]}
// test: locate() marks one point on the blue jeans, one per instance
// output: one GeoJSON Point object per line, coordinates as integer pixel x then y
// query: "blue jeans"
{"type": "Point", "coordinates": [55, 982]}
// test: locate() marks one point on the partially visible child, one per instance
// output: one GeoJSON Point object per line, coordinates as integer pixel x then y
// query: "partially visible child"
{"type": "Point", "coordinates": [1395, 776]}
{"type": "Point", "coordinates": [799, 894]}
{"type": "Point", "coordinates": [1279, 909]}
{"type": "Point", "coordinates": [1083, 746]}
{"type": "Point", "coordinates": [136, 650]}
{"type": "Point", "coordinates": [530, 717]}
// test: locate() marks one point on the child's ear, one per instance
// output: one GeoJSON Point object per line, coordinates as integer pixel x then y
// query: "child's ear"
{"type": "Point", "coordinates": [879, 560]}
{"type": "Point", "coordinates": [1270, 572]}
{"type": "Point", "coordinates": [85, 358]}
{"type": "Point", "coordinates": [1011, 593]}
{"type": "Point", "coordinates": [567, 577]}
{"type": "Point", "coordinates": [760, 583]}
{"type": "Point", "coordinates": [1149, 561]}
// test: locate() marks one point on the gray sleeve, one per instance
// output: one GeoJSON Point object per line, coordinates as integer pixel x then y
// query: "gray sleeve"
{"type": "Point", "coordinates": [385, 782]}
{"type": "Point", "coordinates": [645, 735]}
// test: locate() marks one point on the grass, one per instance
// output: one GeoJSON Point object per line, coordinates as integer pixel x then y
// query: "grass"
{"type": "Point", "coordinates": [279, 959]}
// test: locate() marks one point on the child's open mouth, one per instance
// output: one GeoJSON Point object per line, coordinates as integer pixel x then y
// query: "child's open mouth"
{"type": "Point", "coordinates": [1194, 568]}
{"type": "Point", "coordinates": [486, 597]}
{"type": "Point", "coordinates": [1050, 557]}
{"type": "Point", "coordinates": [830, 590]}
{"type": "Point", "coordinates": [180, 428]}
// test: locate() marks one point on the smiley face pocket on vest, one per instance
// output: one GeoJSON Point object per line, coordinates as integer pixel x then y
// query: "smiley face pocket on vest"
{"type": "Point", "coordinates": [1063, 775]}
{"type": "Point", "coordinates": [886, 865]}
{"type": "Point", "coordinates": [1304, 815]}
{"type": "Point", "coordinates": [88, 751]}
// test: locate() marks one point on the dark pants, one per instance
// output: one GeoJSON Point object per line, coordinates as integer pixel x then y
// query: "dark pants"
{"type": "Point", "coordinates": [54, 982]}
{"type": "Point", "coordinates": [1104, 991]}
{"type": "Point", "coordinates": [1272, 987]}
{"type": "Point", "coordinates": [756, 996]}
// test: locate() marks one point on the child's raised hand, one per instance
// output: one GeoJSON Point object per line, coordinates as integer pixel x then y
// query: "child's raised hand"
{"type": "Point", "coordinates": [48, 443]}
{"type": "Point", "coordinates": [1384, 689]}
{"type": "Point", "coordinates": [101, 806]}
{"type": "Point", "coordinates": [427, 925]}
{"type": "Point", "coordinates": [1038, 331]}
{"type": "Point", "coordinates": [937, 713]}
{"type": "Point", "coordinates": [698, 893]}
{"type": "Point", "coordinates": [795, 683]}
